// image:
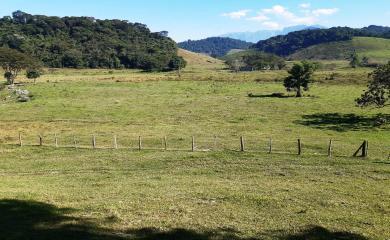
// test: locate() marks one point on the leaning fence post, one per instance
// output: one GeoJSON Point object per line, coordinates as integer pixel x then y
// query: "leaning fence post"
{"type": "Point", "coordinates": [115, 142]}
{"type": "Point", "coordinates": [299, 146]}
{"type": "Point", "coordinates": [139, 143]}
{"type": "Point", "coordinates": [330, 148]}
{"type": "Point", "coordinates": [93, 141]}
{"type": "Point", "coordinates": [20, 140]}
{"type": "Point", "coordinates": [193, 144]}
{"type": "Point", "coordinates": [270, 146]}
{"type": "Point", "coordinates": [40, 141]}
{"type": "Point", "coordinates": [242, 144]}
{"type": "Point", "coordinates": [56, 140]}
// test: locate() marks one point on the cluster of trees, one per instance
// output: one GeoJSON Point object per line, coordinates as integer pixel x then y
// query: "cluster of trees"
{"type": "Point", "coordinates": [13, 62]}
{"type": "Point", "coordinates": [285, 45]}
{"type": "Point", "coordinates": [377, 93]}
{"type": "Point", "coordinates": [85, 42]}
{"type": "Point", "coordinates": [215, 46]}
{"type": "Point", "coordinates": [356, 61]}
{"type": "Point", "coordinates": [254, 60]}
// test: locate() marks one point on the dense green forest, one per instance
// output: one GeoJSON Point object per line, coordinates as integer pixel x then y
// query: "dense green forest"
{"type": "Point", "coordinates": [285, 45]}
{"type": "Point", "coordinates": [215, 46]}
{"type": "Point", "coordinates": [86, 42]}
{"type": "Point", "coordinates": [252, 60]}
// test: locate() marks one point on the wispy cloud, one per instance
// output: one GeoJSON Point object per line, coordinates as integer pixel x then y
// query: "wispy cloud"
{"type": "Point", "coordinates": [325, 11]}
{"type": "Point", "coordinates": [271, 25]}
{"type": "Point", "coordinates": [259, 18]}
{"type": "Point", "coordinates": [279, 16]}
{"type": "Point", "coordinates": [237, 15]}
{"type": "Point", "coordinates": [305, 5]}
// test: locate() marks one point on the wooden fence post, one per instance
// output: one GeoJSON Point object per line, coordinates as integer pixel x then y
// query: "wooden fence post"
{"type": "Point", "coordinates": [270, 146]}
{"type": "Point", "coordinates": [299, 146]}
{"type": "Point", "coordinates": [165, 143]}
{"type": "Point", "coordinates": [56, 140]}
{"type": "Point", "coordinates": [242, 144]}
{"type": "Point", "coordinates": [20, 140]}
{"type": "Point", "coordinates": [193, 144]}
{"type": "Point", "coordinates": [215, 143]}
{"type": "Point", "coordinates": [93, 141]}
{"type": "Point", "coordinates": [363, 148]}
{"type": "Point", "coordinates": [40, 141]}
{"type": "Point", "coordinates": [330, 148]}
{"type": "Point", "coordinates": [139, 143]}
{"type": "Point", "coordinates": [74, 142]}
{"type": "Point", "coordinates": [115, 142]}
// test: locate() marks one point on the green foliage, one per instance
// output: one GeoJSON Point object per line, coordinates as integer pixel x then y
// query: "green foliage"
{"type": "Point", "coordinates": [33, 74]}
{"type": "Point", "coordinates": [254, 60]}
{"type": "Point", "coordinates": [13, 62]}
{"type": "Point", "coordinates": [285, 45]}
{"type": "Point", "coordinates": [300, 77]}
{"type": "Point", "coordinates": [354, 60]}
{"type": "Point", "coordinates": [84, 42]}
{"type": "Point", "coordinates": [378, 92]}
{"type": "Point", "coordinates": [177, 63]}
{"type": "Point", "coordinates": [215, 46]}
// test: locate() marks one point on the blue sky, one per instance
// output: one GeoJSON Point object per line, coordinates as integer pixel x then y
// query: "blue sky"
{"type": "Point", "coordinates": [196, 19]}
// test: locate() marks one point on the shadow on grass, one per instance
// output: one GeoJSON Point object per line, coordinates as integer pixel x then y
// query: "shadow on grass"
{"type": "Point", "coordinates": [344, 122]}
{"type": "Point", "coordinates": [272, 95]}
{"type": "Point", "coordinates": [35, 220]}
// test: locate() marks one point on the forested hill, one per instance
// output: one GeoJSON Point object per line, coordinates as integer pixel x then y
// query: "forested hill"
{"type": "Point", "coordinates": [88, 42]}
{"type": "Point", "coordinates": [285, 45]}
{"type": "Point", "coordinates": [214, 46]}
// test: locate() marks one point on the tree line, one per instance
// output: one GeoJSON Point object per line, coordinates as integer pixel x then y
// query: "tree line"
{"type": "Point", "coordinates": [214, 46]}
{"type": "Point", "coordinates": [285, 45]}
{"type": "Point", "coordinates": [86, 42]}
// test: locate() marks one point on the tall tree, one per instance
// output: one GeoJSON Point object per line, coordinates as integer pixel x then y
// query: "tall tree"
{"type": "Point", "coordinates": [13, 62]}
{"type": "Point", "coordinates": [378, 92]}
{"type": "Point", "coordinates": [300, 77]}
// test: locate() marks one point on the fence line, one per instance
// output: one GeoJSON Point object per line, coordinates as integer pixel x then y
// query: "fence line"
{"type": "Point", "coordinates": [330, 147]}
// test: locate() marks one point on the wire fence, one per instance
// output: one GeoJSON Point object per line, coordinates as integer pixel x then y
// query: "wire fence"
{"type": "Point", "coordinates": [301, 146]}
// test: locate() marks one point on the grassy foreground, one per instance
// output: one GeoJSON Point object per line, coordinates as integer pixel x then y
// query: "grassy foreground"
{"type": "Point", "coordinates": [107, 194]}
{"type": "Point", "coordinates": [67, 193]}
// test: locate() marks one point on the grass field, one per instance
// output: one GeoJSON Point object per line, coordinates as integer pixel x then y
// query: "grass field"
{"type": "Point", "coordinates": [376, 49]}
{"type": "Point", "coordinates": [67, 193]}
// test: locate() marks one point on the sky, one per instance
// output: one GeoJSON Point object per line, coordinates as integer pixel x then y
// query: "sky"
{"type": "Point", "coordinates": [197, 19]}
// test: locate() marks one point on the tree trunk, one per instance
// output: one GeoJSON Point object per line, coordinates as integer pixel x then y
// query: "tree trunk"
{"type": "Point", "coordinates": [299, 92]}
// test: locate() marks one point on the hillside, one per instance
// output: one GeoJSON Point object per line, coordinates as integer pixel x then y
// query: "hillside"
{"type": "Point", "coordinates": [86, 42]}
{"type": "Point", "coordinates": [376, 49]}
{"type": "Point", "coordinates": [215, 46]}
{"type": "Point", "coordinates": [200, 61]}
{"type": "Point", "coordinates": [288, 44]}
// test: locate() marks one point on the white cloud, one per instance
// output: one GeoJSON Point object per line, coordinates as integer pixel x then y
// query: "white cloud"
{"type": "Point", "coordinates": [237, 15]}
{"type": "Point", "coordinates": [259, 18]}
{"type": "Point", "coordinates": [288, 17]}
{"type": "Point", "coordinates": [279, 16]}
{"type": "Point", "coordinates": [305, 5]}
{"type": "Point", "coordinates": [325, 11]}
{"type": "Point", "coordinates": [271, 25]}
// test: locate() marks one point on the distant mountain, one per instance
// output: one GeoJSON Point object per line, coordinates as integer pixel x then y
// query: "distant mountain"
{"type": "Point", "coordinates": [214, 46]}
{"type": "Point", "coordinates": [284, 45]}
{"type": "Point", "coordinates": [254, 37]}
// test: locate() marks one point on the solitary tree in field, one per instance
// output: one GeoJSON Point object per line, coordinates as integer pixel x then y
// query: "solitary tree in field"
{"type": "Point", "coordinates": [355, 62]}
{"type": "Point", "coordinates": [13, 62]}
{"type": "Point", "coordinates": [177, 63]}
{"type": "Point", "coordinates": [300, 77]}
{"type": "Point", "coordinates": [378, 92]}
{"type": "Point", "coordinates": [33, 74]}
